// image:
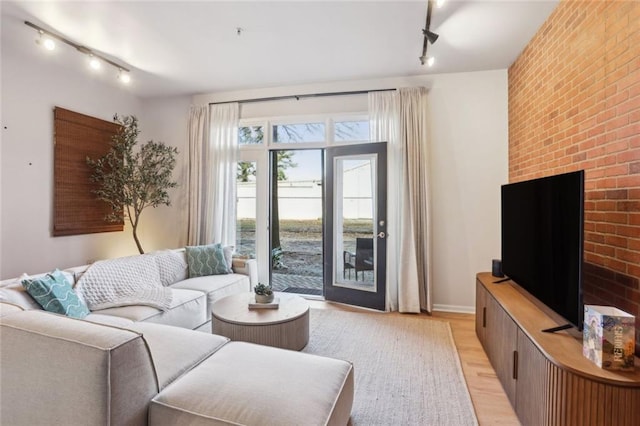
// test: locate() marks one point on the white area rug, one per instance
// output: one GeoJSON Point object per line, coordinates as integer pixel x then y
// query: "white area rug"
{"type": "Point", "coordinates": [407, 370]}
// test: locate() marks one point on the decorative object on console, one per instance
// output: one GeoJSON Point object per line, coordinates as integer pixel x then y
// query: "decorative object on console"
{"type": "Point", "coordinates": [496, 268]}
{"type": "Point", "coordinates": [132, 178]}
{"type": "Point", "coordinates": [609, 337]}
{"type": "Point", "coordinates": [264, 293]}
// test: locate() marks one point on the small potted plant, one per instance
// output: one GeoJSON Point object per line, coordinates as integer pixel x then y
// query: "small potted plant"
{"type": "Point", "coordinates": [264, 293]}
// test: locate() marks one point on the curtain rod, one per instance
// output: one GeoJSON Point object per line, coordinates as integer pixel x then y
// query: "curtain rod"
{"type": "Point", "coordinates": [298, 97]}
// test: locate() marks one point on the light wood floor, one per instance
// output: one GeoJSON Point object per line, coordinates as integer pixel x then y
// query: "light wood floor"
{"type": "Point", "coordinates": [490, 402]}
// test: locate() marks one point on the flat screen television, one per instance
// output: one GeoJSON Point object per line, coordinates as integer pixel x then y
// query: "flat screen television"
{"type": "Point", "coordinates": [542, 240]}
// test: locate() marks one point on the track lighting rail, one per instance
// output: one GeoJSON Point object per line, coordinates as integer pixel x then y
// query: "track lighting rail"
{"type": "Point", "coordinates": [80, 48]}
{"type": "Point", "coordinates": [429, 36]}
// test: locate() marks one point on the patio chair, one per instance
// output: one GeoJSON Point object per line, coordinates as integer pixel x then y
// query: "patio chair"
{"type": "Point", "coordinates": [348, 259]}
{"type": "Point", "coordinates": [364, 256]}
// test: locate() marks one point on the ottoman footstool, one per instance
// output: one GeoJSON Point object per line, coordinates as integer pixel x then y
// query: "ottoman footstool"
{"type": "Point", "coordinates": [249, 384]}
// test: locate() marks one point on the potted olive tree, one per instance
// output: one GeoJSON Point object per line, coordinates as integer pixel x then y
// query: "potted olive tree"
{"type": "Point", "coordinates": [131, 178]}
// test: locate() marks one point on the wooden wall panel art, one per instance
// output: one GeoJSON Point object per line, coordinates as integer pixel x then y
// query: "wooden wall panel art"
{"type": "Point", "coordinates": [76, 208]}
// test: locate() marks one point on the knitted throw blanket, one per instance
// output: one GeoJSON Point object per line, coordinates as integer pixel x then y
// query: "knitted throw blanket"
{"type": "Point", "coordinates": [125, 281]}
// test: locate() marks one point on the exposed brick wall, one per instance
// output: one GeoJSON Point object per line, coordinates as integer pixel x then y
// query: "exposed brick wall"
{"type": "Point", "coordinates": [574, 103]}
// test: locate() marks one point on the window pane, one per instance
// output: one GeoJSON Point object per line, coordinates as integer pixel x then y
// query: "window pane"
{"type": "Point", "coordinates": [246, 209]}
{"type": "Point", "coordinates": [354, 236]}
{"type": "Point", "coordinates": [296, 227]}
{"type": "Point", "coordinates": [346, 131]}
{"type": "Point", "coordinates": [299, 133]}
{"type": "Point", "coordinates": [250, 135]}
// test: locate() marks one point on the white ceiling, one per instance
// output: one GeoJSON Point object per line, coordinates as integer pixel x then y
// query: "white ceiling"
{"type": "Point", "coordinates": [189, 47]}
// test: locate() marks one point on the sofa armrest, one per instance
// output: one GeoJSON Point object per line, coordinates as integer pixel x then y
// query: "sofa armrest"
{"type": "Point", "coordinates": [247, 267]}
{"type": "Point", "coordinates": [59, 370]}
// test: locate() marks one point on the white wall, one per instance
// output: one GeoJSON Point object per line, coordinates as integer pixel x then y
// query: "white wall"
{"type": "Point", "coordinates": [31, 87]}
{"type": "Point", "coordinates": [468, 120]}
{"type": "Point", "coordinates": [166, 120]}
{"type": "Point", "coordinates": [468, 163]}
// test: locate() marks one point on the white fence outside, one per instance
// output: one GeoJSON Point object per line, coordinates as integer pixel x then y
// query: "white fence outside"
{"type": "Point", "coordinates": [302, 200]}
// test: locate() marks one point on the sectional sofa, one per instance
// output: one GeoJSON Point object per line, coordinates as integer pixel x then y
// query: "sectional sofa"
{"type": "Point", "coordinates": [191, 301]}
{"type": "Point", "coordinates": [140, 365]}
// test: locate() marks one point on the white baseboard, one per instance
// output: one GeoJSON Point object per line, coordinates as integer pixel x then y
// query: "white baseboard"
{"type": "Point", "coordinates": [455, 308]}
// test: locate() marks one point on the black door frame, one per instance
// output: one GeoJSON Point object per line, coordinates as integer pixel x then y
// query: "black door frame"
{"type": "Point", "coordinates": [352, 296]}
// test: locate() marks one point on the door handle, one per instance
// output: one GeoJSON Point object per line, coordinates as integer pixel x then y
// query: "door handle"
{"type": "Point", "coordinates": [381, 234]}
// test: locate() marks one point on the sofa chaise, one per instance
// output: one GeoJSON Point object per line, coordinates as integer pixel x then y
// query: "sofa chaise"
{"type": "Point", "coordinates": [60, 370]}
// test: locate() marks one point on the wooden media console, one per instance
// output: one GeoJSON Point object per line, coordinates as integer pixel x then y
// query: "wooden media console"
{"type": "Point", "coordinates": [545, 375]}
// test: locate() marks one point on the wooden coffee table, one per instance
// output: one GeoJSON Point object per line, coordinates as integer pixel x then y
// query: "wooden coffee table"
{"type": "Point", "coordinates": [286, 327]}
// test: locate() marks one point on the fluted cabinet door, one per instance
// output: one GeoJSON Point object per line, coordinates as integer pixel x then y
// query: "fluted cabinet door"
{"type": "Point", "coordinates": [501, 337]}
{"type": "Point", "coordinates": [532, 386]}
{"type": "Point", "coordinates": [481, 312]}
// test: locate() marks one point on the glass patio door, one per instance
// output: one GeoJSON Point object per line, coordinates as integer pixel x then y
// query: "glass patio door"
{"type": "Point", "coordinates": [355, 224]}
{"type": "Point", "coordinates": [295, 225]}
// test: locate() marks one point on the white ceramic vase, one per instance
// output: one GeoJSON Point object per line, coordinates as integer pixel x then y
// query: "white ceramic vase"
{"type": "Point", "coordinates": [264, 298]}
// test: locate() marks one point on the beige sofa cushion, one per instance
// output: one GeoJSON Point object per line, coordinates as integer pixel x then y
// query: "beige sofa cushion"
{"type": "Point", "coordinates": [176, 350]}
{"type": "Point", "coordinates": [7, 309]}
{"type": "Point", "coordinates": [247, 384]}
{"type": "Point", "coordinates": [216, 286]}
{"type": "Point", "coordinates": [108, 320]}
{"type": "Point", "coordinates": [56, 370]}
{"type": "Point", "coordinates": [188, 310]}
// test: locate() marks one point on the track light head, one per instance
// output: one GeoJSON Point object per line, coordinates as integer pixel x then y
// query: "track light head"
{"type": "Point", "coordinates": [94, 63]}
{"type": "Point", "coordinates": [124, 77]}
{"type": "Point", "coordinates": [45, 41]}
{"type": "Point", "coordinates": [430, 35]}
{"type": "Point", "coordinates": [49, 44]}
{"type": "Point", "coordinates": [428, 60]}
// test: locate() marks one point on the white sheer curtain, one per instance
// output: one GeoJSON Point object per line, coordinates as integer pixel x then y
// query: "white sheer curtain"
{"type": "Point", "coordinates": [400, 118]}
{"type": "Point", "coordinates": [213, 151]}
{"type": "Point", "coordinates": [222, 157]}
{"type": "Point", "coordinates": [198, 139]}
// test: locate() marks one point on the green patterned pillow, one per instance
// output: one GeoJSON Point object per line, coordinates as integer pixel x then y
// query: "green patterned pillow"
{"type": "Point", "coordinates": [206, 260]}
{"type": "Point", "coordinates": [54, 293]}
